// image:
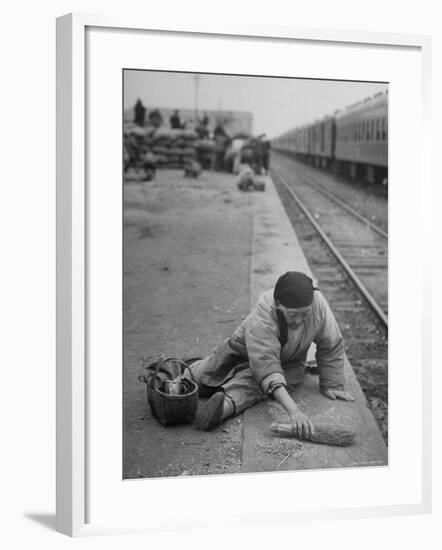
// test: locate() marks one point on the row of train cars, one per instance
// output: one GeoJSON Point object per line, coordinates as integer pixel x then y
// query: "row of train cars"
{"type": "Point", "coordinates": [352, 143]}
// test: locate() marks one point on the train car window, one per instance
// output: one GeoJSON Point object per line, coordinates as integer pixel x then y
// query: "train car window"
{"type": "Point", "coordinates": [384, 133]}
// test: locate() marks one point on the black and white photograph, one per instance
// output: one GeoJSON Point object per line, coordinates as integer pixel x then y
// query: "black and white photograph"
{"type": "Point", "coordinates": [255, 274]}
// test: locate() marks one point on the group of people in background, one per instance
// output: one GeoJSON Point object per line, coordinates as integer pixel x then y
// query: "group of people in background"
{"type": "Point", "coordinates": [155, 118]}
{"type": "Point", "coordinates": [229, 152]}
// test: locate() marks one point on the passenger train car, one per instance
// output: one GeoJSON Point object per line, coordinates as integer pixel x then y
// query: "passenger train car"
{"type": "Point", "coordinates": [353, 142]}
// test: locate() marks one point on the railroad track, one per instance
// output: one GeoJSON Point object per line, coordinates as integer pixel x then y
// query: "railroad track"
{"type": "Point", "coordinates": [360, 247]}
{"type": "Point", "coordinates": [309, 181]}
{"type": "Point", "coordinates": [323, 177]}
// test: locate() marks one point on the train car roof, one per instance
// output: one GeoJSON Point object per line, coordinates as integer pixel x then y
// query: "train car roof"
{"type": "Point", "coordinates": [378, 101]}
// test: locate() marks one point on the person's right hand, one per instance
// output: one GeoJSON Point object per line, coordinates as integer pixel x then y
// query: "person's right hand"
{"type": "Point", "coordinates": [302, 425]}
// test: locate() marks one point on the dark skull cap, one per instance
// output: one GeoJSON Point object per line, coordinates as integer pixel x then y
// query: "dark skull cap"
{"type": "Point", "coordinates": [294, 289]}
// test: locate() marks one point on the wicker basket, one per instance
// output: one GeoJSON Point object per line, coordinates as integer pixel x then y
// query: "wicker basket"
{"type": "Point", "coordinates": [171, 409]}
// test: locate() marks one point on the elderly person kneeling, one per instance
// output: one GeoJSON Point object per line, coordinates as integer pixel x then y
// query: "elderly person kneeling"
{"type": "Point", "coordinates": [267, 355]}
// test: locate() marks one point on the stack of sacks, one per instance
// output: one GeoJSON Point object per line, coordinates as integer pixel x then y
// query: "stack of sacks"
{"type": "Point", "coordinates": [162, 139]}
{"type": "Point", "coordinates": [174, 147]}
{"type": "Point", "coordinates": [188, 146]}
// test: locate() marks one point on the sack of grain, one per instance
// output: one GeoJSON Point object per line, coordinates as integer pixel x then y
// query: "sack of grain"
{"type": "Point", "coordinates": [160, 150]}
{"type": "Point", "coordinates": [189, 135]}
{"type": "Point", "coordinates": [162, 134]}
{"type": "Point", "coordinates": [161, 160]}
{"type": "Point", "coordinates": [188, 151]}
{"type": "Point", "coordinates": [173, 159]}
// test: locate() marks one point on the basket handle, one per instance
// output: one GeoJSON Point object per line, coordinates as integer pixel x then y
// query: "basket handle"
{"type": "Point", "coordinates": [159, 363]}
{"type": "Point", "coordinates": [181, 363]}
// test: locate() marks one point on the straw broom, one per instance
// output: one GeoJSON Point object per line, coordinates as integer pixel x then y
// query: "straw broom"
{"type": "Point", "coordinates": [325, 434]}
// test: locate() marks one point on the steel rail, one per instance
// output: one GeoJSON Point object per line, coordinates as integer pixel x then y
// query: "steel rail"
{"type": "Point", "coordinates": [343, 204]}
{"type": "Point", "coordinates": [360, 286]}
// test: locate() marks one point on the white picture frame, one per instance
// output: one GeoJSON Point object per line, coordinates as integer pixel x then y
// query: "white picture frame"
{"type": "Point", "coordinates": [73, 264]}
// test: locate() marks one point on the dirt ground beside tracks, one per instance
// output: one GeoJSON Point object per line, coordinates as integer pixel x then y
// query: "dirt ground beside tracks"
{"type": "Point", "coordinates": [186, 287]}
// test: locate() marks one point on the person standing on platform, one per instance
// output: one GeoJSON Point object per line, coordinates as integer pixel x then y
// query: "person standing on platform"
{"type": "Point", "coordinates": [140, 112]}
{"type": "Point", "coordinates": [175, 121]}
{"type": "Point", "coordinates": [221, 141]}
{"type": "Point", "coordinates": [265, 148]}
{"type": "Point", "coordinates": [156, 118]}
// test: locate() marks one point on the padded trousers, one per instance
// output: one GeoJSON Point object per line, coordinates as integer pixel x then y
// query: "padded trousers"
{"type": "Point", "coordinates": [243, 388]}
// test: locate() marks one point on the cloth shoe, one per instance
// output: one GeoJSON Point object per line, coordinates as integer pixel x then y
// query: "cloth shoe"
{"type": "Point", "coordinates": [210, 414]}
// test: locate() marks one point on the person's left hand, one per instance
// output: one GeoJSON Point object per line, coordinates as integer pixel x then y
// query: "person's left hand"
{"type": "Point", "coordinates": [337, 394]}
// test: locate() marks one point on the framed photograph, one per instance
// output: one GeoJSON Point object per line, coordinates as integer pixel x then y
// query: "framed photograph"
{"type": "Point", "coordinates": [234, 286]}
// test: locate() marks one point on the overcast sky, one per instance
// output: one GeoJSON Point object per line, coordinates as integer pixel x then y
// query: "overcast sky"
{"type": "Point", "coordinates": [277, 104]}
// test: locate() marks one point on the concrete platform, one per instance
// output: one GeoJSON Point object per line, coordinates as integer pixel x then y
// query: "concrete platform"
{"type": "Point", "coordinates": [275, 250]}
{"type": "Point", "coordinates": [197, 254]}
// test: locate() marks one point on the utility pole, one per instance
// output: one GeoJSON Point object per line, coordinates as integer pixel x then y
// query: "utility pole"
{"type": "Point", "coordinates": [197, 79]}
